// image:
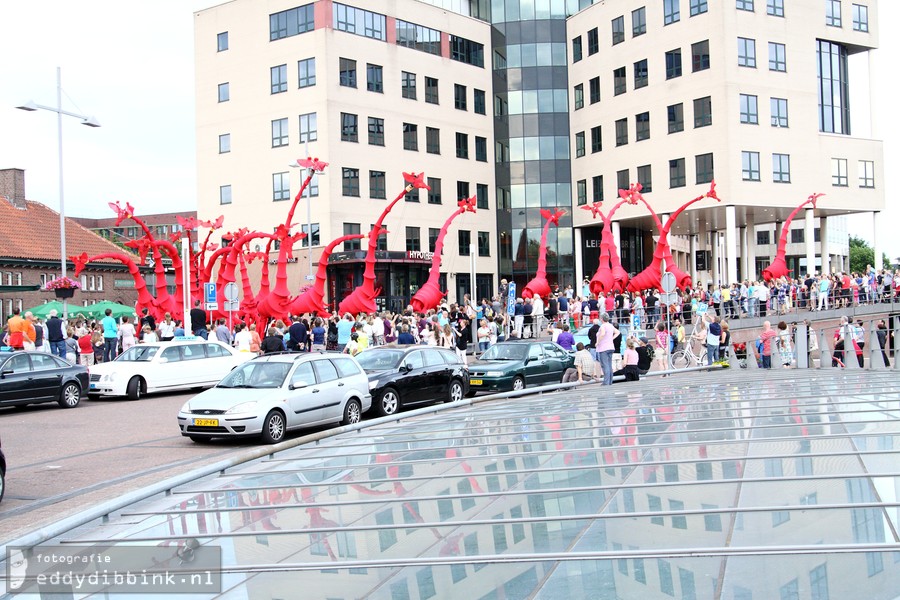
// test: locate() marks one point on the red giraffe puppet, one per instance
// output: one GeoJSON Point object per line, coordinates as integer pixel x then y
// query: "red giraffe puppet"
{"type": "Point", "coordinates": [651, 277]}
{"type": "Point", "coordinates": [778, 268]}
{"type": "Point", "coordinates": [610, 275]}
{"type": "Point", "coordinates": [362, 299]}
{"type": "Point", "coordinates": [312, 300]}
{"type": "Point", "coordinates": [538, 286]}
{"type": "Point", "coordinates": [145, 299]}
{"type": "Point", "coordinates": [430, 295]}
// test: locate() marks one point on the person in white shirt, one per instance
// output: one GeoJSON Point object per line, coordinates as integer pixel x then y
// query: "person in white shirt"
{"type": "Point", "coordinates": [149, 336]}
{"type": "Point", "coordinates": [378, 330]}
{"type": "Point", "coordinates": [166, 329]}
{"type": "Point", "coordinates": [242, 338]}
{"type": "Point", "coordinates": [537, 314]}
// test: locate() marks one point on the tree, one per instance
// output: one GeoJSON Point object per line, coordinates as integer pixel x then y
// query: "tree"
{"type": "Point", "coordinates": [863, 255]}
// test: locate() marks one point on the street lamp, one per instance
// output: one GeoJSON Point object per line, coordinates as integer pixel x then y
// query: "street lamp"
{"type": "Point", "coordinates": [85, 120]}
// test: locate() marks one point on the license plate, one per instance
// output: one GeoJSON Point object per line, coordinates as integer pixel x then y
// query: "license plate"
{"type": "Point", "coordinates": [475, 382]}
{"type": "Point", "coordinates": [206, 422]}
{"type": "Point", "coordinates": [93, 386]}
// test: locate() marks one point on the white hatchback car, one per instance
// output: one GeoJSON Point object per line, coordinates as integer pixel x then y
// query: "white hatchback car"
{"type": "Point", "coordinates": [275, 393]}
{"type": "Point", "coordinates": [165, 366]}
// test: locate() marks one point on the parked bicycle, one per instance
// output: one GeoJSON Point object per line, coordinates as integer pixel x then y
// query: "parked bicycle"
{"type": "Point", "coordinates": [686, 357]}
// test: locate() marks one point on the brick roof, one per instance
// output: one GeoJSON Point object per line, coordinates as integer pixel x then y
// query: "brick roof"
{"type": "Point", "coordinates": [33, 233]}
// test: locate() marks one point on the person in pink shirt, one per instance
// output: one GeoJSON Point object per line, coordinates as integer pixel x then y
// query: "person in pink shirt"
{"type": "Point", "coordinates": [631, 371]}
{"type": "Point", "coordinates": [768, 334]}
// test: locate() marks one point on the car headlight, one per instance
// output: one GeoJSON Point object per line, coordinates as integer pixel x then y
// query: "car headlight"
{"type": "Point", "coordinates": [373, 384]}
{"type": "Point", "coordinates": [242, 407]}
{"type": "Point", "coordinates": [109, 377]}
{"type": "Point", "coordinates": [187, 407]}
{"type": "Point", "coordinates": [494, 374]}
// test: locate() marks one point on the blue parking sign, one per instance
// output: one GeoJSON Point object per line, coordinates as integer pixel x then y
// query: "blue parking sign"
{"type": "Point", "coordinates": [209, 292]}
{"type": "Point", "coordinates": [511, 301]}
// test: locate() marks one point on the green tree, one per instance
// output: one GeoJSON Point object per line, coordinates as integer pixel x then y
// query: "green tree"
{"type": "Point", "coordinates": [862, 255]}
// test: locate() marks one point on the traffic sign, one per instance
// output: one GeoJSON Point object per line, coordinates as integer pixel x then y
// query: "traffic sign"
{"type": "Point", "coordinates": [511, 299]}
{"type": "Point", "coordinates": [231, 306]}
{"type": "Point", "coordinates": [231, 291]}
{"type": "Point", "coordinates": [209, 292]}
{"type": "Point", "coordinates": [668, 297]}
{"type": "Point", "coordinates": [668, 282]}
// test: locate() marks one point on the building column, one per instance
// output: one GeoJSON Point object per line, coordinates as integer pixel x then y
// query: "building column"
{"type": "Point", "coordinates": [702, 276]}
{"type": "Point", "coordinates": [579, 261]}
{"type": "Point", "coordinates": [823, 245]}
{"type": "Point", "coordinates": [716, 271]}
{"type": "Point", "coordinates": [742, 240]}
{"type": "Point", "coordinates": [809, 237]}
{"type": "Point", "coordinates": [751, 249]}
{"type": "Point", "coordinates": [730, 245]}
{"type": "Point", "coordinates": [879, 263]}
{"type": "Point", "coordinates": [617, 236]}
{"type": "Point", "coordinates": [692, 261]}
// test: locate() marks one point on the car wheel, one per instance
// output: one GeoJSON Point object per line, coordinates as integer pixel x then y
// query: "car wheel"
{"type": "Point", "coordinates": [273, 427]}
{"type": "Point", "coordinates": [352, 412]}
{"type": "Point", "coordinates": [134, 388]}
{"type": "Point", "coordinates": [388, 403]}
{"type": "Point", "coordinates": [70, 396]}
{"type": "Point", "coordinates": [200, 439]}
{"type": "Point", "coordinates": [456, 391]}
{"type": "Point", "coordinates": [518, 383]}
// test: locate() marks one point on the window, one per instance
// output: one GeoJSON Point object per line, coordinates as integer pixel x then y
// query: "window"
{"type": "Point", "coordinates": [597, 188]}
{"type": "Point", "coordinates": [462, 145]}
{"type": "Point", "coordinates": [413, 244]}
{"type": "Point", "coordinates": [465, 242]}
{"type": "Point", "coordinates": [224, 92]}
{"type": "Point", "coordinates": [638, 22]}
{"type": "Point", "coordinates": [459, 97]}
{"type": "Point", "coordinates": [351, 229]}
{"type": "Point", "coordinates": [673, 63]}
{"type": "Point", "coordinates": [594, 87]}
{"type": "Point", "coordinates": [309, 129]}
{"type": "Point", "coordinates": [745, 5]}
{"type": "Point", "coordinates": [671, 11]}
{"type": "Point", "coordinates": [677, 177]}
{"type": "Point", "coordinates": [762, 238]}
{"type": "Point", "coordinates": [412, 195]}
{"type": "Point", "coordinates": [350, 182]}
{"type": "Point", "coordinates": [481, 196]}
{"type": "Point", "coordinates": [434, 194]}
{"type": "Point", "coordinates": [224, 143]}
{"type": "Point", "coordinates": [431, 90]}
{"type": "Point", "coordinates": [596, 140]}
{"type": "Point", "coordinates": [306, 72]}
{"type": "Point", "coordinates": [432, 140]}
{"type": "Point", "coordinates": [279, 132]}
{"type": "Point", "coordinates": [623, 179]}
{"type": "Point", "coordinates": [278, 79]}
{"type": "Point", "coordinates": [291, 22]}
{"type": "Point", "coordinates": [698, 7]}
{"type": "Point", "coordinates": [746, 52]}
{"type": "Point", "coordinates": [433, 234]}
{"type": "Point", "coordinates": [619, 85]}
{"type": "Point", "coordinates": [593, 39]}
{"type": "Point", "coordinates": [750, 166]}
{"type": "Point", "coordinates": [775, 8]}
{"type": "Point", "coordinates": [790, 590]}
{"type": "Point", "coordinates": [700, 56]}
{"type": "Point", "coordinates": [410, 136]}
{"type": "Point", "coordinates": [359, 22]}
{"type": "Point", "coordinates": [676, 117]}
{"type": "Point", "coordinates": [374, 78]}
{"type": "Point", "coordinates": [281, 186]}
{"type": "Point", "coordinates": [466, 51]}
{"type": "Point", "coordinates": [418, 37]}
{"type": "Point", "coordinates": [618, 33]}
{"type": "Point", "coordinates": [839, 172]}
{"type": "Point", "coordinates": [224, 194]}
{"type": "Point", "coordinates": [640, 74]}
{"type": "Point", "coordinates": [581, 191]}
{"type": "Point", "coordinates": [860, 17]}
{"type": "Point", "coordinates": [805, 464]}
{"type": "Point", "coordinates": [480, 149]}
{"type": "Point", "coordinates": [621, 132]}
{"type": "Point", "coordinates": [749, 109]}
{"type": "Point", "coordinates": [702, 112]}
{"type": "Point", "coordinates": [704, 164]}
{"type": "Point", "coordinates": [347, 72]}
{"type": "Point", "coordinates": [867, 174]}
{"type": "Point", "coordinates": [478, 102]}
{"type": "Point", "coordinates": [376, 131]}
{"type": "Point", "coordinates": [377, 185]}
{"type": "Point", "coordinates": [408, 85]}
{"type": "Point", "coordinates": [349, 130]}
{"type": "Point", "coordinates": [781, 168]}
{"type": "Point", "coordinates": [645, 178]}
{"type": "Point", "coordinates": [834, 89]}
{"type": "Point", "coordinates": [779, 107]}
{"type": "Point", "coordinates": [222, 42]}
{"type": "Point", "coordinates": [818, 583]}
{"type": "Point", "coordinates": [777, 57]}
{"type": "Point", "coordinates": [579, 144]}
{"type": "Point", "coordinates": [833, 13]}
{"type": "Point", "coordinates": [576, 49]}
{"type": "Point", "coordinates": [484, 243]}
{"type": "Point", "coordinates": [579, 96]}
{"type": "Point", "coordinates": [642, 126]}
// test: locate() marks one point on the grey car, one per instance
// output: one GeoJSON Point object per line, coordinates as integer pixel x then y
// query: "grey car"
{"type": "Point", "coordinates": [273, 394]}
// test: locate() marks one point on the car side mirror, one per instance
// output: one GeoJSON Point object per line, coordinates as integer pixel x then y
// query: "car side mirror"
{"type": "Point", "coordinates": [298, 385]}
{"type": "Point", "coordinates": [528, 360]}
{"type": "Point", "coordinates": [405, 368]}
{"type": "Point", "coordinates": [6, 372]}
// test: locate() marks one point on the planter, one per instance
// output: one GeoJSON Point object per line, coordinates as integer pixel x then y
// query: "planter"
{"type": "Point", "coordinates": [64, 292]}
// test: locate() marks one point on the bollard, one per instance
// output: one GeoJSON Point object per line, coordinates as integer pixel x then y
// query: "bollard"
{"type": "Point", "coordinates": [825, 350]}
{"type": "Point", "coordinates": [876, 360]}
{"type": "Point", "coordinates": [801, 346]}
{"type": "Point", "coordinates": [732, 355]}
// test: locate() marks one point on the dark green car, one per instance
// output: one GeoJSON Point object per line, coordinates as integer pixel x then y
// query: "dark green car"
{"type": "Point", "coordinates": [517, 364]}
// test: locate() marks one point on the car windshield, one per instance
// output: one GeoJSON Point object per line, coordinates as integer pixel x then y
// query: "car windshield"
{"type": "Point", "coordinates": [379, 360]}
{"type": "Point", "coordinates": [138, 354]}
{"type": "Point", "coordinates": [506, 352]}
{"type": "Point", "coordinates": [257, 374]}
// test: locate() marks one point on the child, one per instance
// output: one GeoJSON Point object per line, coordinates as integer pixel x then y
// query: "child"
{"type": "Point", "coordinates": [149, 336]}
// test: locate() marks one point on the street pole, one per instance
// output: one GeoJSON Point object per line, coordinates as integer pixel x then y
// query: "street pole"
{"type": "Point", "coordinates": [474, 323]}
{"type": "Point", "coordinates": [62, 204]}
{"type": "Point", "coordinates": [186, 282]}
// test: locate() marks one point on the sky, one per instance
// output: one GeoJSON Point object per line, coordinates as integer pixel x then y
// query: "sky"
{"type": "Point", "coordinates": [131, 65]}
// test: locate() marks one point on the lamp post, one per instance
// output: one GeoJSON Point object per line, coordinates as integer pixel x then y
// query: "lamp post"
{"type": "Point", "coordinates": [85, 120]}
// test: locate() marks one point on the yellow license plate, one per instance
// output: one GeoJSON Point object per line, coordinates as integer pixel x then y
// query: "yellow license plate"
{"type": "Point", "coordinates": [206, 422]}
{"type": "Point", "coordinates": [475, 382]}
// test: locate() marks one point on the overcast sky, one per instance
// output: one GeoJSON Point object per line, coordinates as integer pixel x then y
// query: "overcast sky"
{"type": "Point", "coordinates": [131, 65]}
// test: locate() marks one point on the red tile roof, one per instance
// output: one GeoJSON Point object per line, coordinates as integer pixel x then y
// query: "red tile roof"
{"type": "Point", "coordinates": [33, 233]}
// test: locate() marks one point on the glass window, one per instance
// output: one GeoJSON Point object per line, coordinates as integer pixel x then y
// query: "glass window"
{"type": "Point", "coordinates": [351, 229]}
{"type": "Point", "coordinates": [671, 11]}
{"type": "Point", "coordinates": [480, 149]}
{"type": "Point", "coordinates": [746, 52]}
{"type": "Point", "coordinates": [833, 13]}
{"type": "Point", "coordinates": [281, 186]}
{"type": "Point", "coordinates": [478, 102]}
{"type": "Point", "coordinates": [481, 196]}
{"type": "Point", "coordinates": [347, 72]}
{"type": "Point", "coordinates": [410, 136]}
{"type": "Point", "coordinates": [745, 5]}
{"type": "Point", "coordinates": [309, 129]}
{"type": "Point", "coordinates": [464, 238]}
{"type": "Point", "coordinates": [839, 172]}
{"type": "Point", "coordinates": [462, 190]}
{"type": "Point", "coordinates": [576, 49]}
{"type": "Point", "coordinates": [484, 243]}
{"type": "Point", "coordinates": [698, 7]}
{"type": "Point", "coordinates": [777, 57]}
{"type": "Point", "coordinates": [775, 8]}
{"type": "Point", "coordinates": [466, 51]}
{"type": "Point", "coordinates": [291, 22]}
{"type": "Point", "coordinates": [640, 74]}
{"type": "Point", "coordinates": [462, 145]}
{"type": "Point", "coordinates": [642, 126]}
{"type": "Point", "coordinates": [762, 238]}
{"type": "Point", "coordinates": [593, 39]}
{"type": "Point", "coordinates": [703, 112]}
{"type": "Point", "coordinates": [433, 233]}
{"type": "Point", "coordinates": [623, 179]}
{"type": "Point", "coordinates": [325, 371]}
{"type": "Point", "coordinates": [860, 17]}
{"type": "Point", "coordinates": [376, 131]}
{"type": "Point", "coordinates": [222, 42]}
{"type": "Point", "coordinates": [704, 168]}
{"type": "Point", "coordinates": [597, 188]}
{"type": "Point", "coordinates": [431, 90]}
{"type": "Point", "coordinates": [804, 465]}
{"type": "Point", "coordinates": [867, 174]}
{"type": "Point", "coordinates": [377, 185]}
{"type": "Point", "coordinates": [314, 237]}
{"type": "Point", "coordinates": [676, 117]}
{"type": "Point", "coordinates": [638, 21]}
{"type": "Point", "coordinates": [700, 56]}
{"type": "Point", "coordinates": [224, 92]}
{"type": "Point", "coordinates": [645, 178]}
{"type": "Point", "coordinates": [279, 132]}
{"type": "Point", "coordinates": [750, 166]}
{"type": "Point", "coordinates": [359, 22]}
{"type": "Point", "coordinates": [619, 81]}
{"type": "Point", "coordinates": [374, 78]}
{"type": "Point", "coordinates": [579, 96]}
{"type": "Point", "coordinates": [596, 139]}
{"type": "Point", "coordinates": [779, 108]}
{"type": "Point", "coordinates": [594, 87]}
{"type": "Point", "coordinates": [581, 192]}
{"type": "Point", "coordinates": [818, 583]}
{"type": "Point", "coordinates": [408, 85]}
{"type": "Point", "coordinates": [432, 140]}
{"type": "Point", "coordinates": [224, 143]}
{"type": "Point", "coordinates": [434, 194]}
{"type": "Point", "coordinates": [278, 79]}
{"type": "Point", "coordinates": [621, 132]}
{"type": "Point", "coordinates": [224, 194]}
{"type": "Point", "coordinates": [673, 63]}
{"type": "Point", "coordinates": [418, 37]}
{"type": "Point", "coordinates": [350, 182]}
{"type": "Point", "coordinates": [579, 144]}
{"type": "Point", "coordinates": [618, 33]}
{"type": "Point", "coordinates": [459, 97]}
{"type": "Point", "coordinates": [749, 109]}
{"type": "Point", "coordinates": [781, 168]}
{"type": "Point", "coordinates": [349, 128]}
{"type": "Point", "coordinates": [834, 88]}
{"type": "Point", "coordinates": [306, 72]}
{"type": "Point", "coordinates": [677, 177]}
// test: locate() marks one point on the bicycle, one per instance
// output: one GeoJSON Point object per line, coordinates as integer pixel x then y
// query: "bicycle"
{"type": "Point", "coordinates": [686, 357]}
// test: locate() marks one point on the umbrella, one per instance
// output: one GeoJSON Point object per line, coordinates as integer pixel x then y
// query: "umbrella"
{"type": "Point", "coordinates": [42, 311]}
{"type": "Point", "coordinates": [98, 310]}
